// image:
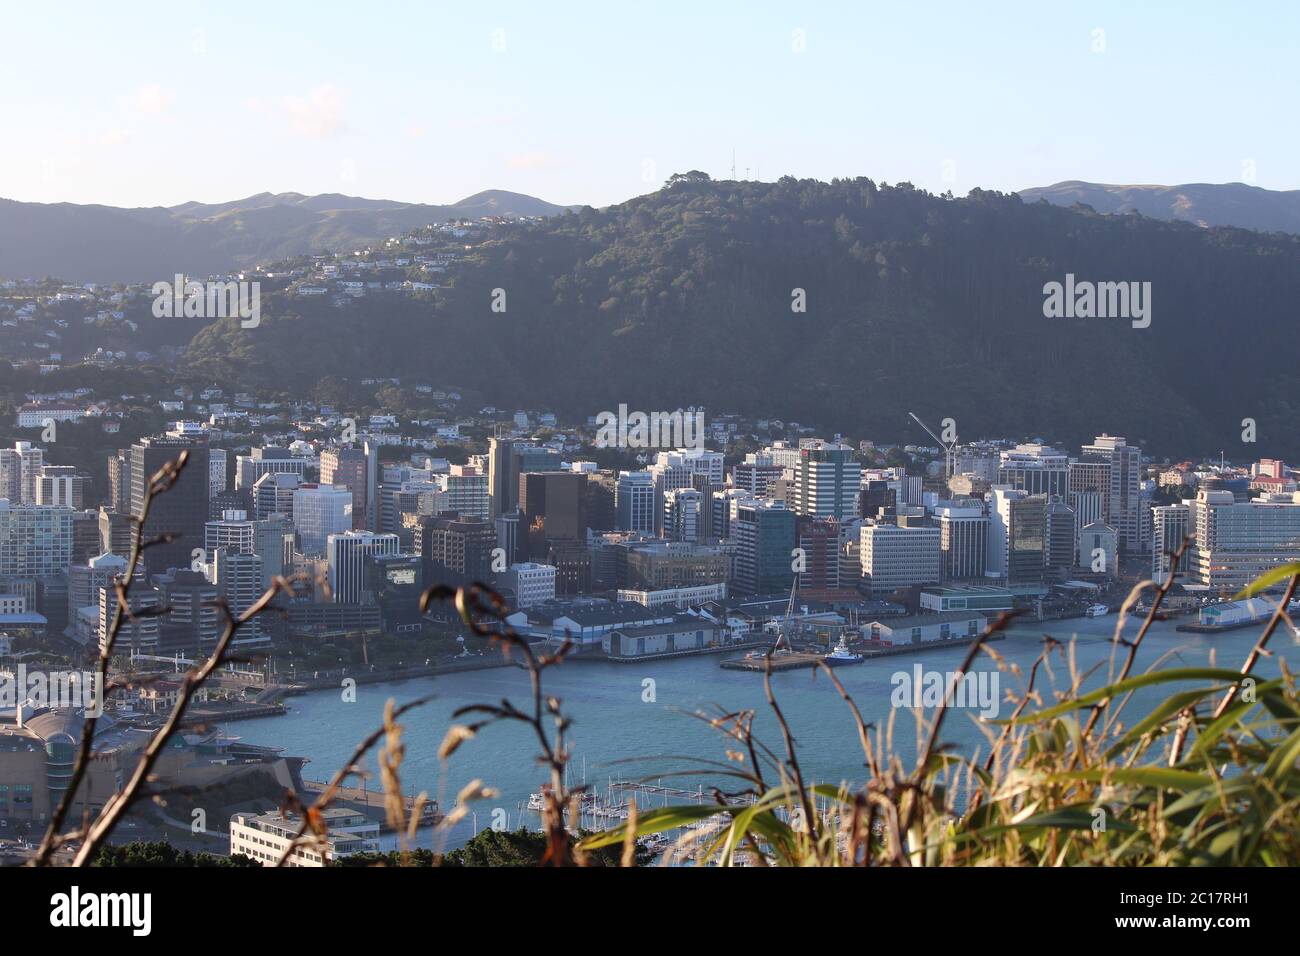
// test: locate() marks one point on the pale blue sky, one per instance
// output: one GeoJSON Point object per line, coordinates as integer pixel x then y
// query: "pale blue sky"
{"type": "Point", "coordinates": [146, 103]}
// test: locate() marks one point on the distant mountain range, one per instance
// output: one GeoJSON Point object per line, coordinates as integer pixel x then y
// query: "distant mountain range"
{"type": "Point", "coordinates": [1203, 204]}
{"type": "Point", "coordinates": [93, 243]}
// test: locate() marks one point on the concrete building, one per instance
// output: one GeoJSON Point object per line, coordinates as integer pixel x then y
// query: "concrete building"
{"type": "Point", "coordinates": [1035, 469]}
{"type": "Point", "coordinates": [1235, 542]}
{"type": "Point", "coordinates": [533, 583]}
{"type": "Point", "coordinates": [894, 557]}
{"type": "Point", "coordinates": [266, 837]}
{"type": "Point", "coordinates": [680, 598]}
{"type": "Point", "coordinates": [60, 485]}
{"type": "Point", "coordinates": [1098, 549]}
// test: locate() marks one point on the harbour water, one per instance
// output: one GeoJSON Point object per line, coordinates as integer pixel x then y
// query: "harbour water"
{"type": "Point", "coordinates": [633, 721]}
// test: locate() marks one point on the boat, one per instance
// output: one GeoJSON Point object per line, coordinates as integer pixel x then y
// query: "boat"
{"type": "Point", "coordinates": [1098, 610]}
{"type": "Point", "coordinates": [841, 656]}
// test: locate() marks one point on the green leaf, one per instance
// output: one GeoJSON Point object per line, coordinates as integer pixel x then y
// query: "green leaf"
{"type": "Point", "coordinates": [1268, 579]}
{"type": "Point", "coordinates": [1159, 778]}
{"type": "Point", "coordinates": [654, 821]}
{"type": "Point", "coordinates": [1122, 687]}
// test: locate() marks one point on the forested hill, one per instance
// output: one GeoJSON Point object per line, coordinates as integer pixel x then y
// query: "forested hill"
{"type": "Point", "coordinates": [914, 302]}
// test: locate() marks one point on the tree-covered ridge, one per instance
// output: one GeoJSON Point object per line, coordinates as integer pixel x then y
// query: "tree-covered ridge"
{"type": "Point", "coordinates": [914, 302]}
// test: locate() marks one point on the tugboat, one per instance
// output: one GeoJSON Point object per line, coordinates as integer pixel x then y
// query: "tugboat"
{"type": "Point", "coordinates": [841, 655]}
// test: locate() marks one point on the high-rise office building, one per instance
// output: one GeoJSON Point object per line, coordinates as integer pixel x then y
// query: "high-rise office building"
{"type": "Point", "coordinates": [347, 553]}
{"type": "Point", "coordinates": [19, 468]}
{"type": "Point", "coordinates": [1169, 529]}
{"type": "Point", "coordinates": [552, 505]}
{"type": "Point", "coordinates": [464, 490]}
{"type": "Point", "coordinates": [819, 547]}
{"type": "Point", "coordinates": [61, 485]}
{"type": "Point", "coordinates": [216, 471]}
{"type": "Point", "coordinates": [1017, 535]}
{"type": "Point", "coordinates": [119, 481]}
{"type": "Point", "coordinates": [456, 551]}
{"type": "Point", "coordinates": [267, 461]}
{"type": "Point", "coordinates": [764, 533]}
{"type": "Point", "coordinates": [182, 510]}
{"type": "Point", "coordinates": [963, 539]}
{"type": "Point", "coordinates": [1035, 469]}
{"type": "Point", "coordinates": [723, 509]}
{"type": "Point", "coordinates": [1121, 494]}
{"type": "Point", "coordinates": [682, 518]}
{"type": "Point", "coordinates": [507, 460]}
{"type": "Point", "coordinates": [877, 499]}
{"type": "Point", "coordinates": [900, 556]}
{"type": "Point", "coordinates": [1060, 548]}
{"type": "Point", "coordinates": [349, 467]}
{"type": "Point", "coordinates": [116, 532]}
{"type": "Point", "coordinates": [239, 578]}
{"type": "Point", "coordinates": [35, 540]}
{"type": "Point", "coordinates": [273, 494]}
{"type": "Point", "coordinates": [1234, 542]}
{"type": "Point", "coordinates": [634, 500]}
{"type": "Point", "coordinates": [319, 511]}
{"type": "Point", "coordinates": [138, 632]}
{"type": "Point", "coordinates": [828, 481]}
{"type": "Point", "coordinates": [193, 623]}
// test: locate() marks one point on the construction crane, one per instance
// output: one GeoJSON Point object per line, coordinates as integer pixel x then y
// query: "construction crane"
{"type": "Point", "coordinates": [786, 624]}
{"type": "Point", "coordinates": [949, 448]}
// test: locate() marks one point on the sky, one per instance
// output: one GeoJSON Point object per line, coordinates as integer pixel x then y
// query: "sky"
{"type": "Point", "coordinates": [144, 104]}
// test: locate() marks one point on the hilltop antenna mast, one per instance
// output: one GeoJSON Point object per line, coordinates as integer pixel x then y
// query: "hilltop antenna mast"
{"type": "Point", "coordinates": [949, 448]}
{"type": "Point", "coordinates": [733, 164]}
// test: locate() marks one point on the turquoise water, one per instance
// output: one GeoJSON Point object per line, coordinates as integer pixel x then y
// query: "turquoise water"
{"type": "Point", "coordinates": [612, 722]}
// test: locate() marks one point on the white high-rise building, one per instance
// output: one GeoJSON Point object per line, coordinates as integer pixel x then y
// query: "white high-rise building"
{"type": "Point", "coordinates": [267, 461]}
{"type": "Point", "coordinates": [318, 512]}
{"type": "Point", "coordinates": [239, 577]}
{"type": "Point", "coordinates": [216, 471]}
{"type": "Point", "coordinates": [677, 469]}
{"type": "Point", "coordinates": [1036, 469]}
{"type": "Point", "coordinates": [346, 553]}
{"type": "Point", "coordinates": [682, 508]}
{"type": "Point", "coordinates": [828, 480]}
{"type": "Point", "coordinates": [19, 468]}
{"type": "Point", "coordinates": [464, 490]}
{"type": "Point", "coordinates": [60, 485]}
